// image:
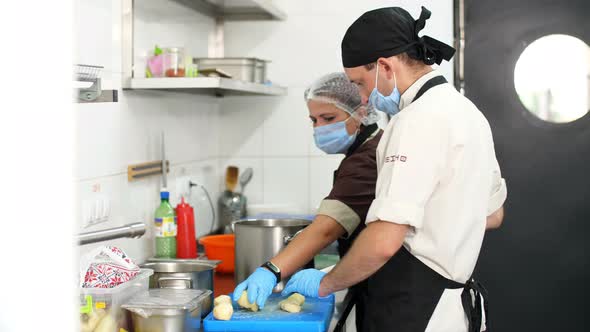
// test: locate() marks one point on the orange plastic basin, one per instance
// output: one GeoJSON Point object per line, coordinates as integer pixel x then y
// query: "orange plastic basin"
{"type": "Point", "coordinates": [220, 247]}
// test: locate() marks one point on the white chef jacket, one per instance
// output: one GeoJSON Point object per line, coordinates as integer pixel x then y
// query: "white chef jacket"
{"type": "Point", "coordinates": [438, 173]}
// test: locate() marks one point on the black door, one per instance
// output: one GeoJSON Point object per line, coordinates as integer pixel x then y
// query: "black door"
{"type": "Point", "coordinates": [537, 266]}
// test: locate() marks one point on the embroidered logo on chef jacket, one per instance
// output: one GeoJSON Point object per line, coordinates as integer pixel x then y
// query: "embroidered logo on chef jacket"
{"type": "Point", "coordinates": [394, 158]}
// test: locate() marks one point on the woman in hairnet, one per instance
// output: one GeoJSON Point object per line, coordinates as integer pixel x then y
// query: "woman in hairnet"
{"type": "Point", "coordinates": [341, 126]}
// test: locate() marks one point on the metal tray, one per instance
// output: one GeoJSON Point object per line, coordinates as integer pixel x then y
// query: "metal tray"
{"type": "Point", "coordinates": [243, 69]}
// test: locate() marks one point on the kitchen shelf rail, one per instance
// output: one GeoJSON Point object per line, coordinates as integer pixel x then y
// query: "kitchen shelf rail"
{"type": "Point", "coordinates": [220, 86]}
{"type": "Point", "coordinates": [236, 10]}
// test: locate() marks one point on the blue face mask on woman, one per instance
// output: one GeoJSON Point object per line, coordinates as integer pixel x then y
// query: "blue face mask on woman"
{"type": "Point", "coordinates": [388, 104]}
{"type": "Point", "coordinates": [333, 138]}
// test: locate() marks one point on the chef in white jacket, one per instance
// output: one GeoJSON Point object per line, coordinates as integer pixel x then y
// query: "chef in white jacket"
{"type": "Point", "coordinates": [439, 186]}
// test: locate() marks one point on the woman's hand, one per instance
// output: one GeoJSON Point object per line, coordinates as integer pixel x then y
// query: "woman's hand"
{"type": "Point", "coordinates": [259, 286]}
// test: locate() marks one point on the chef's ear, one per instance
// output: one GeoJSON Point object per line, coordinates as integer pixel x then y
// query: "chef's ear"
{"type": "Point", "coordinates": [387, 67]}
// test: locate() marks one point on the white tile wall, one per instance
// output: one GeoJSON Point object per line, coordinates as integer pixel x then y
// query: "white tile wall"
{"type": "Point", "coordinates": [96, 33]}
{"type": "Point", "coordinates": [242, 119]}
{"type": "Point", "coordinates": [288, 130]}
{"type": "Point", "coordinates": [265, 126]}
{"type": "Point", "coordinates": [286, 182]}
{"type": "Point", "coordinates": [321, 177]}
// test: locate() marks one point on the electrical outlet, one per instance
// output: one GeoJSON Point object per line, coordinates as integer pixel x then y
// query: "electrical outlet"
{"type": "Point", "coordinates": [96, 211]}
{"type": "Point", "coordinates": [87, 208]}
{"type": "Point", "coordinates": [103, 209]}
{"type": "Point", "coordinates": [183, 187]}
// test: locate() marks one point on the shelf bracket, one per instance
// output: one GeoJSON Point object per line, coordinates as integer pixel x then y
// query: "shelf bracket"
{"type": "Point", "coordinates": [87, 74]}
{"type": "Point", "coordinates": [92, 93]}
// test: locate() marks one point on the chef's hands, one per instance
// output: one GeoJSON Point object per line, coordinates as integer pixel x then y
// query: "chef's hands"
{"type": "Point", "coordinates": [259, 286]}
{"type": "Point", "coordinates": [306, 282]}
{"type": "Point", "coordinates": [261, 283]}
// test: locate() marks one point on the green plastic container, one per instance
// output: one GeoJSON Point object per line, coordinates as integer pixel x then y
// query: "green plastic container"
{"type": "Point", "coordinates": [165, 224]}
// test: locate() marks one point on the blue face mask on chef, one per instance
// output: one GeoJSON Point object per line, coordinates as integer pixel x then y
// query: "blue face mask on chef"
{"type": "Point", "coordinates": [388, 104]}
{"type": "Point", "coordinates": [333, 138]}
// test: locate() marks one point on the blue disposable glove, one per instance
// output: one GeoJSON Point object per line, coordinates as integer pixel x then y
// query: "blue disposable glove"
{"type": "Point", "coordinates": [259, 285]}
{"type": "Point", "coordinates": [306, 282]}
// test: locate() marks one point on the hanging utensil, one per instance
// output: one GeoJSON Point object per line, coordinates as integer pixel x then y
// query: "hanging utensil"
{"type": "Point", "coordinates": [232, 204]}
{"type": "Point", "coordinates": [231, 178]}
{"type": "Point", "coordinates": [245, 178]}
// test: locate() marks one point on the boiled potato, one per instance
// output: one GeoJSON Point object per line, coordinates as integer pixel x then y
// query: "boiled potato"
{"type": "Point", "coordinates": [222, 299]}
{"type": "Point", "coordinates": [289, 306]}
{"type": "Point", "coordinates": [243, 302]}
{"type": "Point", "coordinates": [223, 311]}
{"type": "Point", "coordinates": [296, 298]}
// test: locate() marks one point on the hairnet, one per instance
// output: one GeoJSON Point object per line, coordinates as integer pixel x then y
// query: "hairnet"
{"type": "Point", "coordinates": [336, 89]}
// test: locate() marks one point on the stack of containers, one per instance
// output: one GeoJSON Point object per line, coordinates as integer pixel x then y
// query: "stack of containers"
{"type": "Point", "coordinates": [101, 307]}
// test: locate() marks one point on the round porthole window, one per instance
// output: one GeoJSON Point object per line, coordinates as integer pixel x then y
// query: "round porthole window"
{"type": "Point", "coordinates": [552, 78]}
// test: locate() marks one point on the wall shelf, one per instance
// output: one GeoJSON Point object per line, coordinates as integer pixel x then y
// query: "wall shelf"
{"type": "Point", "coordinates": [221, 10]}
{"type": "Point", "coordinates": [236, 10]}
{"type": "Point", "coordinates": [216, 85]}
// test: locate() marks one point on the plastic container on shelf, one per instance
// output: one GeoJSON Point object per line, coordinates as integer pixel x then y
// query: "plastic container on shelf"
{"type": "Point", "coordinates": [155, 64]}
{"type": "Point", "coordinates": [174, 62]}
{"type": "Point", "coordinates": [220, 247]}
{"type": "Point", "coordinates": [98, 302]}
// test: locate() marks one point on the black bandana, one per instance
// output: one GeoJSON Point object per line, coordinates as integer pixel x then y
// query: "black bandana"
{"type": "Point", "coordinates": [390, 31]}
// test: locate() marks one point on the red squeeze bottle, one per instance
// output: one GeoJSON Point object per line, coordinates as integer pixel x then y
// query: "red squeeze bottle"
{"type": "Point", "coordinates": [186, 243]}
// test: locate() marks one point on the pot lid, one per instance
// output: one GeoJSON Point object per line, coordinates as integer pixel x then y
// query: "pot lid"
{"type": "Point", "coordinates": [270, 222]}
{"type": "Point", "coordinates": [162, 265]}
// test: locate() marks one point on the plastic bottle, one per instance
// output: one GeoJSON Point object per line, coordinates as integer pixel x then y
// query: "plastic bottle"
{"type": "Point", "coordinates": [186, 243]}
{"type": "Point", "coordinates": [165, 222]}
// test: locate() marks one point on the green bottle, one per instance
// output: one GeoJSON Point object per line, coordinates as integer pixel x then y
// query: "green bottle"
{"type": "Point", "coordinates": [165, 222]}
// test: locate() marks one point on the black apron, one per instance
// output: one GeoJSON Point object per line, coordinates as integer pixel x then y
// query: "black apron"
{"type": "Point", "coordinates": [402, 295]}
{"type": "Point", "coordinates": [359, 290]}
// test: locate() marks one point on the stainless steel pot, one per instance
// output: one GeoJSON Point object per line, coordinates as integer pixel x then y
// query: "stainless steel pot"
{"type": "Point", "coordinates": [184, 274]}
{"type": "Point", "coordinates": [258, 240]}
{"type": "Point", "coordinates": [165, 320]}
